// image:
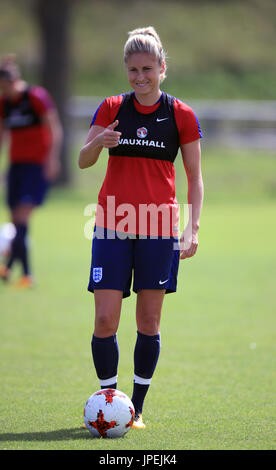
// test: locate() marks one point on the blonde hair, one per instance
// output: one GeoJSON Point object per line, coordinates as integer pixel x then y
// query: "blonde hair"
{"type": "Point", "coordinates": [9, 68]}
{"type": "Point", "coordinates": [145, 40]}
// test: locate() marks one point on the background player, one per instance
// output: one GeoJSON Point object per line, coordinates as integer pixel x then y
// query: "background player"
{"type": "Point", "coordinates": [29, 116]}
{"type": "Point", "coordinates": [143, 131]}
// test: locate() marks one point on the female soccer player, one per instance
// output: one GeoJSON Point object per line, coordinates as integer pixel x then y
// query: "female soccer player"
{"type": "Point", "coordinates": [30, 117]}
{"type": "Point", "coordinates": [136, 217]}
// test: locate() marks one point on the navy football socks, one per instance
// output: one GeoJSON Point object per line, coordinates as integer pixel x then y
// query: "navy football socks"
{"type": "Point", "coordinates": [105, 353]}
{"type": "Point", "coordinates": [146, 354]}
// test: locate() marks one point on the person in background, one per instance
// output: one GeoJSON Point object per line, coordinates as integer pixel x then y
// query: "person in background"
{"type": "Point", "coordinates": [29, 118]}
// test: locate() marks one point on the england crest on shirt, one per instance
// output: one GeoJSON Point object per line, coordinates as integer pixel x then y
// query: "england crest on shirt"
{"type": "Point", "coordinates": [97, 274]}
{"type": "Point", "coordinates": [142, 132]}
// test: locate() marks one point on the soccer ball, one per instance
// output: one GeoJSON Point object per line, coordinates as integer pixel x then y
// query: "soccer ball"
{"type": "Point", "coordinates": [7, 234]}
{"type": "Point", "coordinates": [108, 413]}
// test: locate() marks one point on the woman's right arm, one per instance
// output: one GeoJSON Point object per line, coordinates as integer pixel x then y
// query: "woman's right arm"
{"type": "Point", "coordinates": [98, 137]}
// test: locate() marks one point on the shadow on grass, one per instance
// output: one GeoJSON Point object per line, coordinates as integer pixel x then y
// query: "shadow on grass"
{"type": "Point", "coordinates": [58, 435]}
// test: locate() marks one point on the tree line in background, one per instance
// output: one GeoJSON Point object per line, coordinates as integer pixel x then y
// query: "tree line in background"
{"type": "Point", "coordinates": [53, 19]}
{"type": "Point", "coordinates": [54, 22]}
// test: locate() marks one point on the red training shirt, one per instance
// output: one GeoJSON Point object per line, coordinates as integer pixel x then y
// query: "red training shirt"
{"type": "Point", "coordinates": [136, 180]}
{"type": "Point", "coordinates": [30, 144]}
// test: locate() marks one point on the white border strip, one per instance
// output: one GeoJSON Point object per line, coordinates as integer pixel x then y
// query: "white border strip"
{"type": "Point", "coordinates": [112, 380]}
{"type": "Point", "coordinates": [141, 380]}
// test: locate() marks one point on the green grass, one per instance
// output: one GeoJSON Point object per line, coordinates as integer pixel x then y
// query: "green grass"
{"type": "Point", "coordinates": [215, 381]}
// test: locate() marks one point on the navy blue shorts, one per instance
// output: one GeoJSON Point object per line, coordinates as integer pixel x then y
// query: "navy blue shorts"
{"type": "Point", "coordinates": [26, 184]}
{"type": "Point", "coordinates": [151, 262]}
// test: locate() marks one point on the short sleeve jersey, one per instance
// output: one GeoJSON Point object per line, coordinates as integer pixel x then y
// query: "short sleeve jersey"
{"type": "Point", "coordinates": [137, 184]}
{"type": "Point", "coordinates": [30, 138]}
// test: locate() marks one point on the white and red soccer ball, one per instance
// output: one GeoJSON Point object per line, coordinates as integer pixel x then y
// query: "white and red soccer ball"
{"type": "Point", "coordinates": [7, 234]}
{"type": "Point", "coordinates": [108, 413]}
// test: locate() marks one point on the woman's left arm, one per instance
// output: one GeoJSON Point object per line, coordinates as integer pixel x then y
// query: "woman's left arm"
{"type": "Point", "coordinates": [191, 155]}
{"type": "Point", "coordinates": [52, 164]}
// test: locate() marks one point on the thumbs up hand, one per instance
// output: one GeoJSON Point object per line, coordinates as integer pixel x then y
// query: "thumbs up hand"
{"type": "Point", "coordinates": [110, 138]}
{"type": "Point", "coordinates": [113, 125]}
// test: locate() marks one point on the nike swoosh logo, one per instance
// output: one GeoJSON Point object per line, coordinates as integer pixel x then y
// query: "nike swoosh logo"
{"type": "Point", "coordinates": [163, 282]}
{"type": "Point", "coordinates": [163, 119]}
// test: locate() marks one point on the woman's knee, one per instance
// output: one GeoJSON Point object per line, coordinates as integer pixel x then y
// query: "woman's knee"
{"type": "Point", "coordinates": [105, 325]}
{"type": "Point", "coordinates": [148, 324]}
{"type": "Point", "coordinates": [21, 214]}
{"type": "Point", "coordinates": [107, 313]}
{"type": "Point", "coordinates": [148, 311]}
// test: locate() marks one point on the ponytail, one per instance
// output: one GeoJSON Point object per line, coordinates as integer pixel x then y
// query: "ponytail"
{"type": "Point", "coordinates": [145, 40]}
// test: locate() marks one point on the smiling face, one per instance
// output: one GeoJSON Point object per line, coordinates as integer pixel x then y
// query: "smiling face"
{"type": "Point", "coordinates": [144, 76]}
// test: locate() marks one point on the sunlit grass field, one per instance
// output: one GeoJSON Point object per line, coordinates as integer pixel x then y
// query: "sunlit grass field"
{"type": "Point", "coordinates": [214, 387]}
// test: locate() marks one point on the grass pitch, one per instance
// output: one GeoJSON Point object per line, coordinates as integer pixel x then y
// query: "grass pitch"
{"type": "Point", "coordinates": [214, 387]}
